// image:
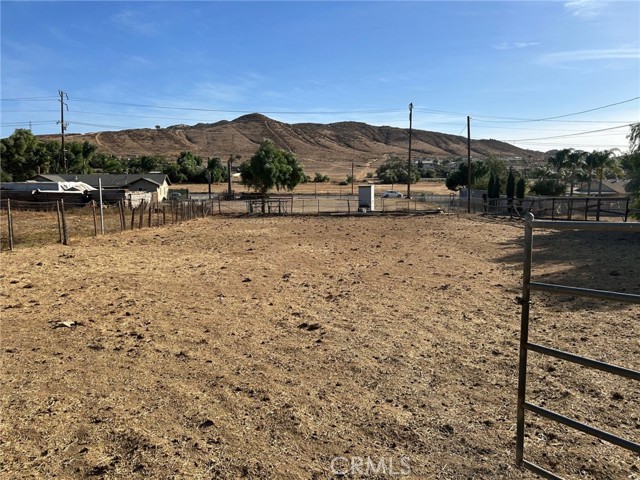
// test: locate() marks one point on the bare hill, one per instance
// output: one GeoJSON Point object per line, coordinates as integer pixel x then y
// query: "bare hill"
{"type": "Point", "coordinates": [318, 146]}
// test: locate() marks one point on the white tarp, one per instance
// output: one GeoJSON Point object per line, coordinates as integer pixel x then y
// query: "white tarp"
{"type": "Point", "coordinates": [46, 186]}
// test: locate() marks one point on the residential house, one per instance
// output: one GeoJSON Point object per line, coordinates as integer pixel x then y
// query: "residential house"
{"type": "Point", "coordinates": [155, 183]}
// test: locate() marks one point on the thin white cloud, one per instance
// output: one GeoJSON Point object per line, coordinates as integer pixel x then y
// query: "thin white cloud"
{"type": "Point", "coordinates": [137, 61]}
{"type": "Point", "coordinates": [220, 92]}
{"type": "Point", "coordinates": [131, 21]}
{"type": "Point", "coordinates": [585, 9]}
{"type": "Point", "coordinates": [510, 46]}
{"type": "Point", "coordinates": [559, 58]}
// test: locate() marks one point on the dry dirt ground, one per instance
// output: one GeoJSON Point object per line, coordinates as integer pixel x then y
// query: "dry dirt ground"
{"type": "Point", "coordinates": [278, 348]}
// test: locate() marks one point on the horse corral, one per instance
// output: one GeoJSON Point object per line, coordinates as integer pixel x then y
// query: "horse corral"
{"type": "Point", "coordinates": [310, 347]}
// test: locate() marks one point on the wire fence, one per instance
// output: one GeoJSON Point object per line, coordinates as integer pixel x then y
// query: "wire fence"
{"type": "Point", "coordinates": [38, 223]}
{"type": "Point", "coordinates": [564, 208]}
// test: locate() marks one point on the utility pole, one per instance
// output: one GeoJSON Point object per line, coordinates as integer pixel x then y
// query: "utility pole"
{"type": "Point", "coordinates": [63, 127]}
{"type": "Point", "coordinates": [409, 161]}
{"type": "Point", "coordinates": [352, 178]}
{"type": "Point", "coordinates": [229, 164]}
{"type": "Point", "coordinates": [468, 164]}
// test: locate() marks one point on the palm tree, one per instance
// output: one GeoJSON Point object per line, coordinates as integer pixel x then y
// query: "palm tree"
{"type": "Point", "coordinates": [559, 160]}
{"type": "Point", "coordinates": [575, 161]}
{"type": "Point", "coordinates": [601, 163]}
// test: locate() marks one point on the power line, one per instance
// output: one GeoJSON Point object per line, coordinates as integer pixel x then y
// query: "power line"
{"type": "Point", "coordinates": [24, 99]}
{"type": "Point", "coordinates": [233, 111]}
{"type": "Point", "coordinates": [40, 122]}
{"type": "Point", "coordinates": [517, 120]}
{"type": "Point", "coordinates": [568, 135]}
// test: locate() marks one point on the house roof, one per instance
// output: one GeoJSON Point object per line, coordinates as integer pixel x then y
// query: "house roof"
{"type": "Point", "coordinates": [608, 186]}
{"type": "Point", "coordinates": [46, 186]}
{"type": "Point", "coordinates": [109, 180]}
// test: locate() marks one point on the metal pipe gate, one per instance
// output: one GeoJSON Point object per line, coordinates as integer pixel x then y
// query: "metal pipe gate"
{"type": "Point", "coordinates": [526, 346]}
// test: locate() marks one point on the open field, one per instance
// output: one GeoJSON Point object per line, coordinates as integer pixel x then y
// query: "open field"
{"type": "Point", "coordinates": [266, 347]}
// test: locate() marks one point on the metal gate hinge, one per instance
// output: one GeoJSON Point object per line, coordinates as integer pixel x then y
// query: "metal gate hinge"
{"type": "Point", "coordinates": [521, 301]}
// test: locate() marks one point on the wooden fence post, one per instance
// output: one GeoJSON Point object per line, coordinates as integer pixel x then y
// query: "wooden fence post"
{"type": "Point", "coordinates": [59, 221]}
{"type": "Point", "coordinates": [9, 224]}
{"type": "Point", "coordinates": [141, 217]}
{"type": "Point", "coordinates": [133, 216]}
{"type": "Point", "coordinates": [157, 215]}
{"type": "Point", "coordinates": [219, 206]}
{"type": "Point", "coordinates": [150, 213]}
{"type": "Point", "coordinates": [626, 210]}
{"type": "Point", "coordinates": [586, 208]}
{"type": "Point", "coordinates": [164, 214]}
{"type": "Point", "coordinates": [598, 209]}
{"type": "Point", "coordinates": [121, 212]}
{"type": "Point", "coordinates": [95, 222]}
{"type": "Point", "coordinates": [65, 232]}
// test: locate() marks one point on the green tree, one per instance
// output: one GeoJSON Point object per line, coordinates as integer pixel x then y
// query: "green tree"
{"type": "Point", "coordinates": [20, 160]}
{"type": "Point", "coordinates": [547, 187]}
{"type": "Point", "coordinates": [559, 161]}
{"type": "Point", "coordinates": [575, 162]}
{"type": "Point", "coordinates": [459, 177]}
{"type": "Point", "coordinates": [520, 188]}
{"type": "Point", "coordinates": [320, 178]}
{"type": "Point", "coordinates": [603, 163]}
{"type": "Point", "coordinates": [631, 164]}
{"type": "Point", "coordinates": [172, 170]}
{"type": "Point", "coordinates": [271, 167]}
{"type": "Point", "coordinates": [498, 167]}
{"type": "Point", "coordinates": [395, 170]}
{"type": "Point", "coordinates": [189, 168]}
{"type": "Point", "coordinates": [107, 163]}
{"type": "Point", "coordinates": [496, 187]}
{"type": "Point", "coordinates": [511, 185]}
{"type": "Point", "coordinates": [491, 187]}
{"type": "Point", "coordinates": [216, 169]}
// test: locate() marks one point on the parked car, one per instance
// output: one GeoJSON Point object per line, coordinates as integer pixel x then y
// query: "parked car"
{"type": "Point", "coordinates": [391, 194]}
{"type": "Point", "coordinates": [175, 196]}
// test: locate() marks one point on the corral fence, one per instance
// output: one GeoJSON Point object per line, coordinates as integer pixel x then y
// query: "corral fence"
{"type": "Point", "coordinates": [525, 346]}
{"type": "Point", "coordinates": [35, 223]}
{"type": "Point", "coordinates": [554, 208]}
{"type": "Point", "coordinates": [319, 205]}
{"type": "Point", "coordinates": [563, 208]}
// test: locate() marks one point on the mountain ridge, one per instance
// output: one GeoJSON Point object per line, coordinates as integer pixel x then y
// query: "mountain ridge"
{"type": "Point", "coordinates": [320, 146]}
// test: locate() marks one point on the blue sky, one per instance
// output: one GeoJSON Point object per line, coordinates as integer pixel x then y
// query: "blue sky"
{"type": "Point", "coordinates": [498, 62]}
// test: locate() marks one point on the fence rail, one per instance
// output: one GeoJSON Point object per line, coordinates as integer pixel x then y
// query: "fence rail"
{"type": "Point", "coordinates": [525, 346]}
{"type": "Point", "coordinates": [29, 223]}
{"type": "Point", "coordinates": [35, 223]}
{"type": "Point", "coordinates": [563, 208]}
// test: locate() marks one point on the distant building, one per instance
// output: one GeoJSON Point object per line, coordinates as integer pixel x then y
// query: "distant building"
{"type": "Point", "coordinates": [73, 193]}
{"type": "Point", "coordinates": [609, 187]}
{"type": "Point", "coordinates": [154, 183]}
